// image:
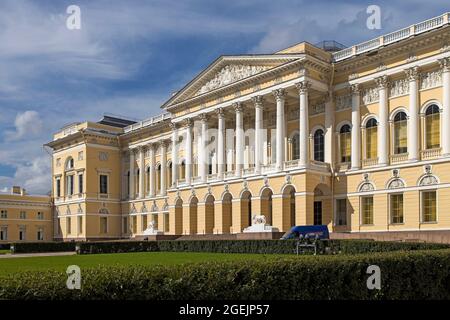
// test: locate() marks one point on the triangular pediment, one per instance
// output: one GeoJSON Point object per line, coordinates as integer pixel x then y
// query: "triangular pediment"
{"type": "Point", "coordinates": [226, 71]}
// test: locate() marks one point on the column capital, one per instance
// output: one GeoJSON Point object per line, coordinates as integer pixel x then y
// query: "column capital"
{"type": "Point", "coordinates": [173, 125]}
{"type": "Point", "coordinates": [382, 82]}
{"type": "Point", "coordinates": [444, 63]}
{"type": "Point", "coordinates": [203, 117]}
{"type": "Point", "coordinates": [188, 123]}
{"type": "Point", "coordinates": [278, 94]}
{"type": "Point", "coordinates": [355, 88]}
{"type": "Point", "coordinates": [237, 107]}
{"type": "Point", "coordinates": [142, 149]}
{"type": "Point", "coordinates": [162, 143]}
{"type": "Point", "coordinates": [258, 101]}
{"type": "Point", "coordinates": [303, 87]}
{"type": "Point", "coordinates": [412, 74]}
{"type": "Point", "coordinates": [220, 113]}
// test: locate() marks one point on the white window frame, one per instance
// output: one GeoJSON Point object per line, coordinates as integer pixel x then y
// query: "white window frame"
{"type": "Point", "coordinates": [433, 189]}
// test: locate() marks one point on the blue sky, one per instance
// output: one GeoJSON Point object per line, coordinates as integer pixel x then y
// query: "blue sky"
{"type": "Point", "coordinates": [129, 56]}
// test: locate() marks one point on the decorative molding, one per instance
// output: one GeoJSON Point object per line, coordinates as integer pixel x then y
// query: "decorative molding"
{"type": "Point", "coordinates": [230, 74]}
{"type": "Point", "coordinates": [399, 88]}
{"type": "Point", "coordinates": [382, 82]}
{"type": "Point", "coordinates": [237, 107]}
{"type": "Point", "coordinates": [343, 102]}
{"type": "Point", "coordinates": [318, 108]}
{"type": "Point", "coordinates": [431, 79]}
{"type": "Point", "coordinates": [444, 63]}
{"type": "Point", "coordinates": [412, 74]}
{"type": "Point", "coordinates": [370, 95]}
{"type": "Point", "coordinates": [258, 101]}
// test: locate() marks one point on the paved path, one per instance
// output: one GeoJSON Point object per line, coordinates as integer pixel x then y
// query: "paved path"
{"type": "Point", "coordinates": [26, 255]}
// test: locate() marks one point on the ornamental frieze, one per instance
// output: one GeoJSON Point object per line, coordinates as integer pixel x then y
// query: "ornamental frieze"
{"type": "Point", "coordinates": [431, 79]}
{"type": "Point", "coordinates": [229, 74]}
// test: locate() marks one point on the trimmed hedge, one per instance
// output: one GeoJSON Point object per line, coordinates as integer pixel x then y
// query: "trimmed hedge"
{"type": "Point", "coordinates": [404, 275]}
{"type": "Point", "coordinates": [252, 246]}
{"type": "Point", "coordinates": [38, 247]}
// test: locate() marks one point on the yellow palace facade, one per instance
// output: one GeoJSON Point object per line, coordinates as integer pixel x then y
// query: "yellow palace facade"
{"type": "Point", "coordinates": [357, 139]}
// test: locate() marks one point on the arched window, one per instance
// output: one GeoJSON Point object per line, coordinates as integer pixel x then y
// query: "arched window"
{"type": "Point", "coordinates": [345, 140]}
{"type": "Point", "coordinates": [136, 181]}
{"type": "Point", "coordinates": [147, 179]}
{"type": "Point", "coordinates": [69, 163]}
{"type": "Point", "coordinates": [319, 146]}
{"type": "Point", "coordinates": [371, 139]}
{"type": "Point", "coordinates": [400, 133]}
{"type": "Point", "coordinates": [158, 178]}
{"type": "Point", "coordinates": [183, 170]}
{"type": "Point", "coordinates": [295, 147]}
{"type": "Point", "coordinates": [432, 127]}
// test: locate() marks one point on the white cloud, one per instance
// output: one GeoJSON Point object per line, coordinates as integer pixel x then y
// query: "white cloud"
{"type": "Point", "coordinates": [28, 125]}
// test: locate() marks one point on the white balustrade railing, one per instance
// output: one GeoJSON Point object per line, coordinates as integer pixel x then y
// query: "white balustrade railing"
{"type": "Point", "coordinates": [268, 167]}
{"type": "Point", "coordinates": [369, 162]}
{"type": "Point", "coordinates": [249, 171]}
{"type": "Point", "coordinates": [392, 37]}
{"type": "Point", "coordinates": [291, 164]}
{"type": "Point", "coordinates": [401, 157]}
{"type": "Point", "coordinates": [431, 153]}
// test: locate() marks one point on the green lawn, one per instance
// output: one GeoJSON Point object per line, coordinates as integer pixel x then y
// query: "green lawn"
{"type": "Point", "coordinates": [12, 265]}
{"type": "Point", "coordinates": [4, 251]}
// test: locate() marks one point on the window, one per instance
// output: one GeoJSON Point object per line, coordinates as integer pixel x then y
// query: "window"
{"type": "Point", "coordinates": [103, 184]}
{"type": "Point", "coordinates": [80, 184]}
{"type": "Point", "coordinates": [367, 210]}
{"type": "Point", "coordinates": [345, 140]}
{"type": "Point", "coordinates": [144, 222]}
{"type": "Point", "coordinates": [400, 133]}
{"type": "Point", "coordinates": [319, 146]}
{"type": "Point", "coordinates": [3, 233]}
{"type": "Point", "coordinates": [183, 170]}
{"type": "Point", "coordinates": [22, 233]}
{"type": "Point", "coordinates": [69, 225]}
{"type": "Point", "coordinates": [396, 208]}
{"type": "Point", "coordinates": [158, 178]}
{"type": "Point", "coordinates": [429, 206]}
{"type": "Point", "coordinates": [4, 214]}
{"type": "Point", "coordinates": [69, 164]}
{"type": "Point", "coordinates": [23, 215]}
{"type": "Point", "coordinates": [103, 225]}
{"type": "Point", "coordinates": [169, 174]}
{"type": "Point", "coordinates": [371, 139]}
{"type": "Point", "coordinates": [125, 225]}
{"type": "Point", "coordinates": [40, 234]}
{"type": "Point", "coordinates": [295, 147]}
{"type": "Point", "coordinates": [80, 225]}
{"type": "Point", "coordinates": [317, 212]}
{"type": "Point", "coordinates": [432, 127]}
{"type": "Point", "coordinates": [70, 185]}
{"type": "Point", "coordinates": [341, 212]}
{"type": "Point", "coordinates": [58, 187]}
{"type": "Point", "coordinates": [134, 224]}
{"type": "Point", "coordinates": [40, 216]}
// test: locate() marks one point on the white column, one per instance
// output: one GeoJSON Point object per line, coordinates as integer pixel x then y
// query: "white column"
{"type": "Point", "coordinates": [188, 148]}
{"type": "Point", "coordinates": [412, 74]}
{"type": "Point", "coordinates": [174, 154]}
{"type": "Point", "coordinates": [141, 172]}
{"type": "Point", "coordinates": [151, 152]}
{"type": "Point", "coordinates": [259, 122]}
{"type": "Point", "coordinates": [239, 139]}
{"type": "Point", "coordinates": [280, 123]}
{"type": "Point", "coordinates": [329, 127]}
{"type": "Point", "coordinates": [163, 149]}
{"type": "Point", "coordinates": [202, 166]}
{"type": "Point", "coordinates": [131, 182]}
{"type": "Point", "coordinates": [220, 143]}
{"type": "Point", "coordinates": [445, 65]}
{"type": "Point", "coordinates": [383, 123]}
{"type": "Point", "coordinates": [303, 88]}
{"type": "Point", "coordinates": [356, 126]}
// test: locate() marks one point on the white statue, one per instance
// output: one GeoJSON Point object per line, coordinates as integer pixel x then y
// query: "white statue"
{"type": "Point", "coordinates": [259, 225]}
{"type": "Point", "coordinates": [151, 229]}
